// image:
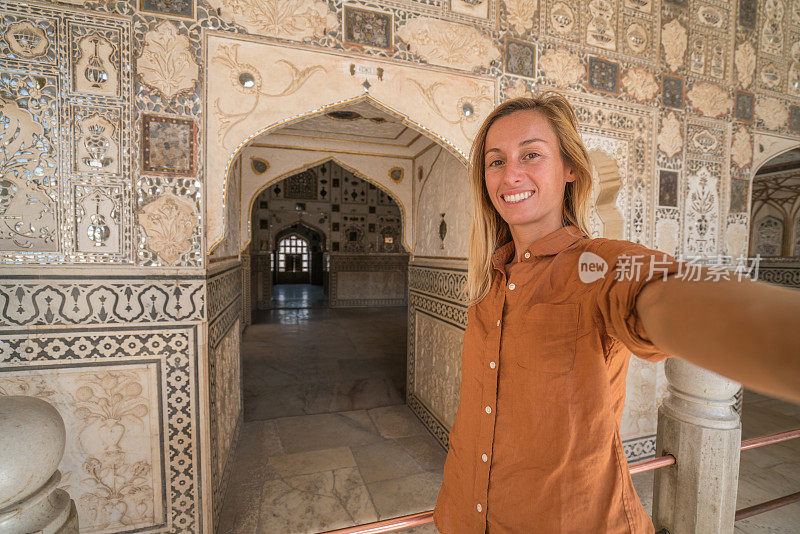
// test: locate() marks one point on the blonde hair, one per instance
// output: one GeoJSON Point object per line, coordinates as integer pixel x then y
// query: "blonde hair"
{"type": "Point", "coordinates": [489, 230]}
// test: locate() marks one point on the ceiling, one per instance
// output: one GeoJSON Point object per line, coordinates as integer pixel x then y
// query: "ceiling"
{"type": "Point", "coordinates": [782, 162]}
{"type": "Point", "coordinates": [359, 122]}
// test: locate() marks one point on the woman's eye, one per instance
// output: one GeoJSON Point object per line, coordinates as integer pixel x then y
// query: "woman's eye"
{"type": "Point", "coordinates": [531, 155]}
{"type": "Point", "coordinates": [492, 163]}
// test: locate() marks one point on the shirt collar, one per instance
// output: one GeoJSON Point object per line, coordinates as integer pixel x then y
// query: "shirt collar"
{"type": "Point", "coordinates": [549, 245]}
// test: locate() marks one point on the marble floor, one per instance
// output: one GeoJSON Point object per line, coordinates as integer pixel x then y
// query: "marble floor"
{"type": "Point", "coordinates": [293, 296]}
{"type": "Point", "coordinates": [327, 441]}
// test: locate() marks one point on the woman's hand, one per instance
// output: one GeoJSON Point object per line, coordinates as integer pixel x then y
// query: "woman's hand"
{"type": "Point", "coordinates": [748, 331]}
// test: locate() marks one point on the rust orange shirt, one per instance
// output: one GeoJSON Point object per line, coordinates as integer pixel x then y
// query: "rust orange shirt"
{"type": "Point", "coordinates": [535, 447]}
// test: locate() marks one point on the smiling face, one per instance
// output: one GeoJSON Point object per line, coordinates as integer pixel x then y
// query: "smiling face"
{"type": "Point", "coordinates": [525, 175]}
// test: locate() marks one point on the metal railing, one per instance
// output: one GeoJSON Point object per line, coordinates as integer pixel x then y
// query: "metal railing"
{"type": "Point", "coordinates": [760, 508]}
{"type": "Point", "coordinates": [424, 518]}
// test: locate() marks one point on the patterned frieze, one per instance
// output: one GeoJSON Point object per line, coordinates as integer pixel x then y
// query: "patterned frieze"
{"type": "Point", "coordinates": [128, 397]}
{"type": "Point", "coordinates": [442, 283]}
{"type": "Point", "coordinates": [223, 288]}
{"type": "Point", "coordinates": [27, 301]}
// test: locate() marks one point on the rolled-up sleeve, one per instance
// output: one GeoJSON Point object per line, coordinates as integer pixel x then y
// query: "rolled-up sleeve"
{"type": "Point", "coordinates": [630, 267]}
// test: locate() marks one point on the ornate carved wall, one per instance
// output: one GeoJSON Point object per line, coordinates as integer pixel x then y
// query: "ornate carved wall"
{"type": "Point", "coordinates": [119, 120]}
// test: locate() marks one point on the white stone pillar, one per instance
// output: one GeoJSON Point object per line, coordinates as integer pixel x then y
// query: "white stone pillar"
{"type": "Point", "coordinates": [32, 440]}
{"type": "Point", "coordinates": [698, 425]}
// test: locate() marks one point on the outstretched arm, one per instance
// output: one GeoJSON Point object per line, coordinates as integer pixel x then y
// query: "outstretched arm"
{"type": "Point", "coordinates": [745, 330]}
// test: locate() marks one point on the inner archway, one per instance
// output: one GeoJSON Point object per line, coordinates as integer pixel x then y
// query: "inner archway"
{"type": "Point", "coordinates": [386, 207]}
{"type": "Point", "coordinates": [775, 209]}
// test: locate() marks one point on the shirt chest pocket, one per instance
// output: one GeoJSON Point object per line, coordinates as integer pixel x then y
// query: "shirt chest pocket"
{"type": "Point", "coordinates": [545, 338]}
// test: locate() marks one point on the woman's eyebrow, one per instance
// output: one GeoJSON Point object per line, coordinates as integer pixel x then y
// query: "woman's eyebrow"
{"type": "Point", "coordinates": [525, 142]}
{"type": "Point", "coordinates": [532, 140]}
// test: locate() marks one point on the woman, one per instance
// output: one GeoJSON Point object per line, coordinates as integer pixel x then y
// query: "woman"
{"type": "Point", "coordinates": [554, 316]}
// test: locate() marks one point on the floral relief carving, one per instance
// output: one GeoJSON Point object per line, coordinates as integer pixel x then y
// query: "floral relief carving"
{"type": "Point", "coordinates": [448, 44]}
{"type": "Point", "coordinates": [772, 113]}
{"type": "Point", "coordinates": [27, 205]}
{"type": "Point", "coordinates": [742, 148]}
{"type": "Point", "coordinates": [110, 419]}
{"type": "Point", "coordinates": [521, 14]}
{"type": "Point", "coordinates": [295, 20]}
{"type": "Point", "coordinates": [640, 84]}
{"type": "Point", "coordinates": [710, 99]}
{"type": "Point", "coordinates": [107, 403]}
{"type": "Point", "coordinates": [674, 40]}
{"type": "Point", "coordinates": [670, 139]}
{"type": "Point", "coordinates": [437, 369]}
{"type": "Point", "coordinates": [561, 67]}
{"type": "Point", "coordinates": [246, 79]}
{"type": "Point", "coordinates": [27, 40]}
{"type": "Point", "coordinates": [167, 61]}
{"type": "Point", "coordinates": [169, 222]}
{"type": "Point", "coordinates": [745, 61]}
{"type": "Point", "coordinates": [478, 101]}
{"type": "Point", "coordinates": [517, 89]}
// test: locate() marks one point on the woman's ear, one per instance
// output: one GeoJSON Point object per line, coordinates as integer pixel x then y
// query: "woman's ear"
{"type": "Point", "coordinates": [571, 175]}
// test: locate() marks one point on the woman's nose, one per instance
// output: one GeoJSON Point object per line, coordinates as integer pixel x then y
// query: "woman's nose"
{"type": "Point", "coordinates": [513, 174]}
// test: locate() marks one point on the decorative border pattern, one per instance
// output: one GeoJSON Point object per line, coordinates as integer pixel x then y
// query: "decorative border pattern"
{"type": "Point", "coordinates": [639, 448]}
{"type": "Point", "coordinates": [223, 287]}
{"type": "Point", "coordinates": [784, 276]}
{"type": "Point", "coordinates": [174, 349]}
{"type": "Point", "coordinates": [440, 282]}
{"type": "Point", "coordinates": [83, 300]}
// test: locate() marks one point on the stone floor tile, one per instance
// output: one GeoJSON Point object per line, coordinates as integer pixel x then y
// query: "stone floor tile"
{"type": "Point", "coordinates": [407, 495]}
{"type": "Point", "coordinates": [315, 503]}
{"type": "Point", "coordinates": [304, 463]}
{"type": "Point", "coordinates": [323, 431]}
{"type": "Point", "coordinates": [427, 452]}
{"type": "Point", "coordinates": [383, 461]}
{"type": "Point", "coordinates": [397, 421]}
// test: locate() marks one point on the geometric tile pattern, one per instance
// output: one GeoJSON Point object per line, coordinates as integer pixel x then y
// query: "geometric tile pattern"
{"type": "Point", "coordinates": [520, 58]}
{"type": "Point", "coordinates": [603, 75]}
{"type": "Point", "coordinates": [368, 28]}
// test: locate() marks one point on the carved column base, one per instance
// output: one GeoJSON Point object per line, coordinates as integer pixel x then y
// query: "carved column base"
{"type": "Point", "coordinates": [698, 425]}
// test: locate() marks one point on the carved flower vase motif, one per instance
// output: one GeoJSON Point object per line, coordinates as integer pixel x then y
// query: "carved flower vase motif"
{"type": "Point", "coordinates": [27, 40]}
{"type": "Point", "coordinates": [98, 230]}
{"type": "Point", "coordinates": [97, 145]}
{"type": "Point", "coordinates": [95, 71]}
{"type": "Point", "coordinates": [169, 222]}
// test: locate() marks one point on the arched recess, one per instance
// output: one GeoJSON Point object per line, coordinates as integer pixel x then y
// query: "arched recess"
{"type": "Point", "coordinates": [286, 84]}
{"type": "Point", "coordinates": [249, 203]}
{"type": "Point", "coordinates": [305, 230]}
{"type": "Point", "coordinates": [606, 184]}
{"type": "Point", "coordinates": [774, 192]}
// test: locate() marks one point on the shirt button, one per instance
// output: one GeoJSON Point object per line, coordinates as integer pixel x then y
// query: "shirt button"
{"type": "Point", "coordinates": [492, 365]}
{"type": "Point", "coordinates": [512, 286]}
{"type": "Point", "coordinates": [488, 409]}
{"type": "Point", "coordinates": [484, 458]}
{"type": "Point", "coordinates": [527, 255]}
{"type": "Point", "coordinates": [498, 322]}
{"type": "Point", "coordinates": [479, 507]}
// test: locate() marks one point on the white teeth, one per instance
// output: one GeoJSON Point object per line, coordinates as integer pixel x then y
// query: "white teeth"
{"type": "Point", "coordinates": [519, 197]}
